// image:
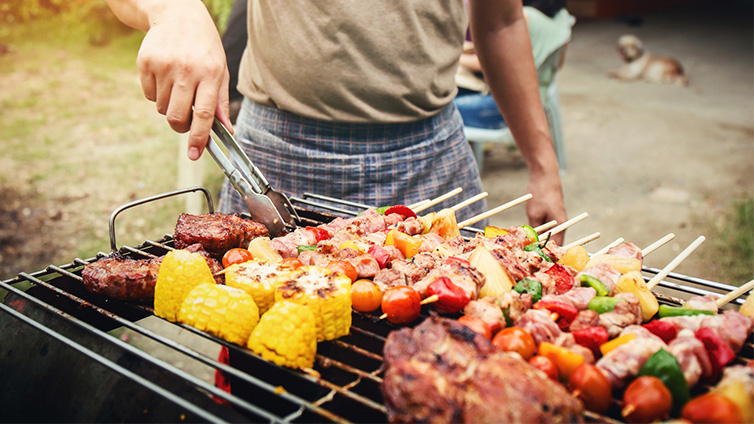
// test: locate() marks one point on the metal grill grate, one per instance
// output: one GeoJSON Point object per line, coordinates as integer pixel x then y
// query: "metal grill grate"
{"type": "Point", "coordinates": [349, 369]}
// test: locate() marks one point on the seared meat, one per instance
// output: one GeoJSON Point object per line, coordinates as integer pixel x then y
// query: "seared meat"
{"type": "Point", "coordinates": [216, 232]}
{"type": "Point", "coordinates": [628, 250]}
{"type": "Point", "coordinates": [120, 277]}
{"type": "Point", "coordinates": [624, 362]}
{"type": "Point", "coordinates": [490, 309]}
{"type": "Point", "coordinates": [603, 272]}
{"type": "Point", "coordinates": [731, 326]}
{"type": "Point", "coordinates": [625, 313]}
{"type": "Point", "coordinates": [441, 371]}
{"type": "Point", "coordinates": [578, 297]}
{"type": "Point", "coordinates": [466, 277]}
{"type": "Point", "coordinates": [691, 355]}
{"type": "Point", "coordinates": [214, 265]}
{"type": "Point", "coordinates": [586, 318]}
{"type": "Point", "coordinates": [705, 303]}
{"type": "Point", "coordinates": [365, 264]}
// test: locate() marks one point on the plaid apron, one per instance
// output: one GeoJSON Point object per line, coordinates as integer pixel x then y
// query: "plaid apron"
{"type": "Point", "coordinates": [372, 164]}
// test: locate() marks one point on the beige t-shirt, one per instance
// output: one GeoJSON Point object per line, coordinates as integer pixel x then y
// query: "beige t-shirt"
{"type": "Point", "coordinates": [354, 61]}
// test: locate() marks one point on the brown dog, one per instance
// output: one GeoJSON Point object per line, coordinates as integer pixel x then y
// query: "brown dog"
{"type": "Point", "coordinates": [643, 65]}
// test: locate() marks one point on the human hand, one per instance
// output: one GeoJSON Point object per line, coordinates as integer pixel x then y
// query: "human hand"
{"type": "Point", "coordinates": [547, 202]}
{"type": "Point", "coordinates": [183, 70]}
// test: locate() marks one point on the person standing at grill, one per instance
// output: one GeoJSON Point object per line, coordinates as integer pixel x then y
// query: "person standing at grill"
{"type": "Point", "coordinates": [348, 99]}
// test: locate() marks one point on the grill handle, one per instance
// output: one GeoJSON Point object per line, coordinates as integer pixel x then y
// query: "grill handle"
{"type": "Point", "coordinates": [207, 195]}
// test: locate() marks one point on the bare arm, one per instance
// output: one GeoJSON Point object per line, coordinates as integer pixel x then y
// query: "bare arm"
{"type": "Point", "coordinates": [502, 42]}
{"type": "Point", "coordinates": [181, 64]}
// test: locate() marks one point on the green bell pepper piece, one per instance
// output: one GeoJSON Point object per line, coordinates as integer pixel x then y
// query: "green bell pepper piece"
{"type": "Point", "coordinates": [595, 283]}
{"type": "Point", "coordinates": [671, 311]}
{"type": "Point", "coordinates": [665, 366]}
{"type": "Point", "coordinates": [538, 250]}
{"type": "Point", "coordinates": [530, 233]}
{"type": "Point", "coordinates": [602, 304]}
{"type": "Point", "coordinates": [306, 248]}
{"type": "Point", "coordinates": [382, 209]}
{"type": "Point", "coordinates": [533, 287]}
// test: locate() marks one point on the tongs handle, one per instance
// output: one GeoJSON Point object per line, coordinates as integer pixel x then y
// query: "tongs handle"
{"type": "Point", "coordinates": [266, 206]}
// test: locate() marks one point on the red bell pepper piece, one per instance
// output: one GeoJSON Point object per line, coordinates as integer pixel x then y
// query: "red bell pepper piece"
{"type": "Point", "coordinates": [402, 210]}
{"type": "Point", "coordinates": [451, 298]}
{"type": "Point", "coordinates": [450, 259]}
{"type": "Point", "coordinates": [720, 354]}
{"type": "Point", "coordinates": [662, 329]}
{"type": "Point", "coordinates": [566, 313]}
{"type": "Point", "coordinates": [379, 254]}
{"type": "Point", "coordinates": [563, 279]}
{"type": "Point", "coordinates": [319, 233]}
{"type": "Point", "coordinates": [592, 338]}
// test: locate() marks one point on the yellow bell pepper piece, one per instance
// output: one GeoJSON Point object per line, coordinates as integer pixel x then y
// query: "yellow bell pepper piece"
{"type": "Point", "coordinates": [575, 257]}
{"type": "Point", "coordinates": [179, 273]}
{"type": "Point", "coordinates": [327, 294]}
{"type": "Point", "coordinates": [612, 344]}
{"type": "Point", "coordinates": [622, 264]}
{"type": "Point", "coordinates": [226, 312]}
{"type": "Point", "coordinates": [736, 391]}
{"type": "Point", "coordinates": [748, 307]}
{"type": "Point", "coordinates": [407, 244]}
{"type": "Point", "coordinates": [566, 360]}
{"type": "Point", "coordinates": [633, 282]}
{"type": "Point", "coordinates": [351, 244]}
{"type": "Point", "coordinates": [286, 335]}
{"type": "Point", "coordinates": [491, 231]}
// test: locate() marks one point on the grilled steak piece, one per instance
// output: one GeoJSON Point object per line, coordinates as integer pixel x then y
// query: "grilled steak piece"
{"type": "Point", "coordinates": [120, 277]}
{"type": "Point", "coordinates": [214, 265]}
{"type": "Point", "coordinates": [442, 371]}
{"type": "Point", "coordinates": [216, 232]}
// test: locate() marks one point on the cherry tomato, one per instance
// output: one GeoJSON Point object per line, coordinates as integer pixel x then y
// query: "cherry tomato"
{"type": "Point", "coordinates": [476, 324]}
{"type": "Point", "coordinates": [545, 365]}
{"type": "Point", "coordinates": [712, 408]}
{"type": "Point", "coordinates": [344, 268]}
{"type": "Point", "coordinates": [366, 296]}
{"type": "Point", "coordinates": [236, 256]}
{"type": "Point", "coordinates": [515, 339]}
{"type": "Point", "coordinates": [590, 385]}
{"type": "Point", "coordinates": [401, 304]}
{"type": "Point", "coordinates": [645, 400]}
{"type": "Point", "coordinates": [291, 263]}
{"type": "Point", "coordinates": [319, 233]}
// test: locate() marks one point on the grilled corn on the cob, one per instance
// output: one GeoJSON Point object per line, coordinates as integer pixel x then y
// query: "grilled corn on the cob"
{"type": "Point", "coordinates": [286, 335]}
{"type": "Point", "coordinates": [226, 312]}
{"type": "Point", "coordinates": [180, 272]}
{"type": "Point", "coordinates": [327, 294]}
{"type": "Point", "coordinates": [256, 277]}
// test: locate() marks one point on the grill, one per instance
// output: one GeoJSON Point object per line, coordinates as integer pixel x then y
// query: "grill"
{"type": "Point", "coordinates": [58, 361]}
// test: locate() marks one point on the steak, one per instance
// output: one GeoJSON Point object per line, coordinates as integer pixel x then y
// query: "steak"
{"type": "Point", "coordinates": [442, 371]}
{"type": "Point", "coordinates": [216, 232]}
{"type": "Point", "coordinates": [120, 277]}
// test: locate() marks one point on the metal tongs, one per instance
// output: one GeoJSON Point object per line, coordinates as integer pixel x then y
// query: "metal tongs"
{"type": "Point", "coordinates": [266, 206]}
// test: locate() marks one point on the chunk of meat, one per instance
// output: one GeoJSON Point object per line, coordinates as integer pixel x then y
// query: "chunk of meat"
{"type": "Point", "coordinates": [539, 324]}
{"type": "Point", "coordinates": [731, 326]}
{"type": "Point", "coordinates": [603, 272]}
{"type": "Point", "coordinates": [578, 297]}
{"type": "Point", "coordinates": [586, 318]}
{"type": "Point", "coordinates": [628, 250]}
{"type": "Point", "coordinates": [467, 278]}
{"type": "Point", "coordinates": [121, 277]}
{"type": "Point", "coordinates": [216, 232]}
{"type": "Point", "coordinates": [624, 362]}
{"type": "Point", "coordinates": [625, 313]}
{"type": "Point", "coordinates": [703, 303]}
{"type": "Point", "coordinates": [691, 355]}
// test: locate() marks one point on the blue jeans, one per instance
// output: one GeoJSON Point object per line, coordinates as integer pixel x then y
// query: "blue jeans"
{"type": "Point", "coordinates": [478, 110]}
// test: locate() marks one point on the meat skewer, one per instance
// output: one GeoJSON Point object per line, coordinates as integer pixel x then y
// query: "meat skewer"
{"type": "Point", "coordinates": [582, 241]}
{"type": "Point", "coordinates": [735, 293]}
{"type": "Point", "coordinates": [546, 226]}
{"type": "Point", "coordinates": [437, 200]}
{"type": "Point", "coordinates": [604, 250]}
{"type": "Point", "coordinates": [654, 246]}
{"type": "Point", "coordinates": [675, 262]}
{"type": "Point", "coordinates": [562, 227]}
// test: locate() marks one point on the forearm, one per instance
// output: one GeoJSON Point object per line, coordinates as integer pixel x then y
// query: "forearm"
{"type": "Point", "coordinates": [504, 49]}
{"type": "Point", "coordinates": [142, 14]}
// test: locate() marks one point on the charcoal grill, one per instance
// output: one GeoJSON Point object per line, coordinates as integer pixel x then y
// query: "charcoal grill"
{"type": "Point", "coordinates": [59, 363]}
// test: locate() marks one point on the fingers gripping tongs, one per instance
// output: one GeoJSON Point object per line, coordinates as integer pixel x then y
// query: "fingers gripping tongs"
{"type": "Point", "coordinates": [266, 206]}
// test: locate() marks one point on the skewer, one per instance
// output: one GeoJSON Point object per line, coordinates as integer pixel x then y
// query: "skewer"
{"type": "Point", "coordinates": [735, 293]}
{"type": "Point", "coordinates": [418, 204]}
{"type": "Point", "coordinates": [674, 263]}
{"type": "Point", "coordinates": [437, 200]}
{"type": "Point", "coordinates": [469, 201]}
{"type": "Point", "coordinates": [489, 213]}
{"type": "Point", "coordinates": [604, 250]}
{"type": "Point", "coordinates": [652, 247]}
{"type": "Point", "coordinates": [583, 240]}
{"type": "Point", "coordinates": [432, 299]}
{"type": "Point", "coordinates": [546, 226]}
{"type": "Point", "coordinates": [565, 225]}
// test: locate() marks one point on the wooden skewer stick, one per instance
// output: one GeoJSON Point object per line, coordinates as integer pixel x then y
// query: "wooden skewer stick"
{"type": "Point", "coordinates": [432, 299]}
{"type": "Point", "coordinates": [418, 204]}
{"type": "Point", "coordinates": [437, 200]}
{"type": "Point", "coordinates": [674, 263]}
{"type": "Point", "coordinates": [583, 240]}
{"type": "Point", "coordinates": [546, 226]}
{"type": "Point", "coordinates": [469, 201]}
{"type": "Point", "coordinates": [735, 293]}
{"type": "Point", "coordinates": [489, 213]}
{"type": "Point", "coordinates": [564, 226]}
{"type": "Point", "coordinates": [604, 250]}
{"type": "Point", "coordinates": [654, 246]}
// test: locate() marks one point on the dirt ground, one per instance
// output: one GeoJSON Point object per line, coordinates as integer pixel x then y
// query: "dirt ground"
{"type": "Point", "coordinates": [646, 160]}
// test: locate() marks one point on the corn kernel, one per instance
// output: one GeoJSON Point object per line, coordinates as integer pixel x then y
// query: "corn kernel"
{"type": "Point", "coordinates": [226, 312]}
{"type": "Point", "coordinates": [180, 272]}
{"type": "Point", "coordinates": [286, 335]}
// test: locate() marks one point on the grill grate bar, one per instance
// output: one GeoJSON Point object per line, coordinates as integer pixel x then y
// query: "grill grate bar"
{"type": "Point", "coordinates": [368, 334]}
{"type": "Point", "coordinates": [339, 201]}
{"type": "Point", "coordinates": [180, 348]}
{"type": "Point", "coordinates": [111, 365]}
{"type": "Point", "coordinates": [131, 349]}
{"type": "Point", "coordinates": [357, 349]}
{"type": "Point", "coordinates": [325, 361]}
{"type": "Point", "coordinates": [323, 206]}
{"type": "Point", "coordinates": [353, 396]}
